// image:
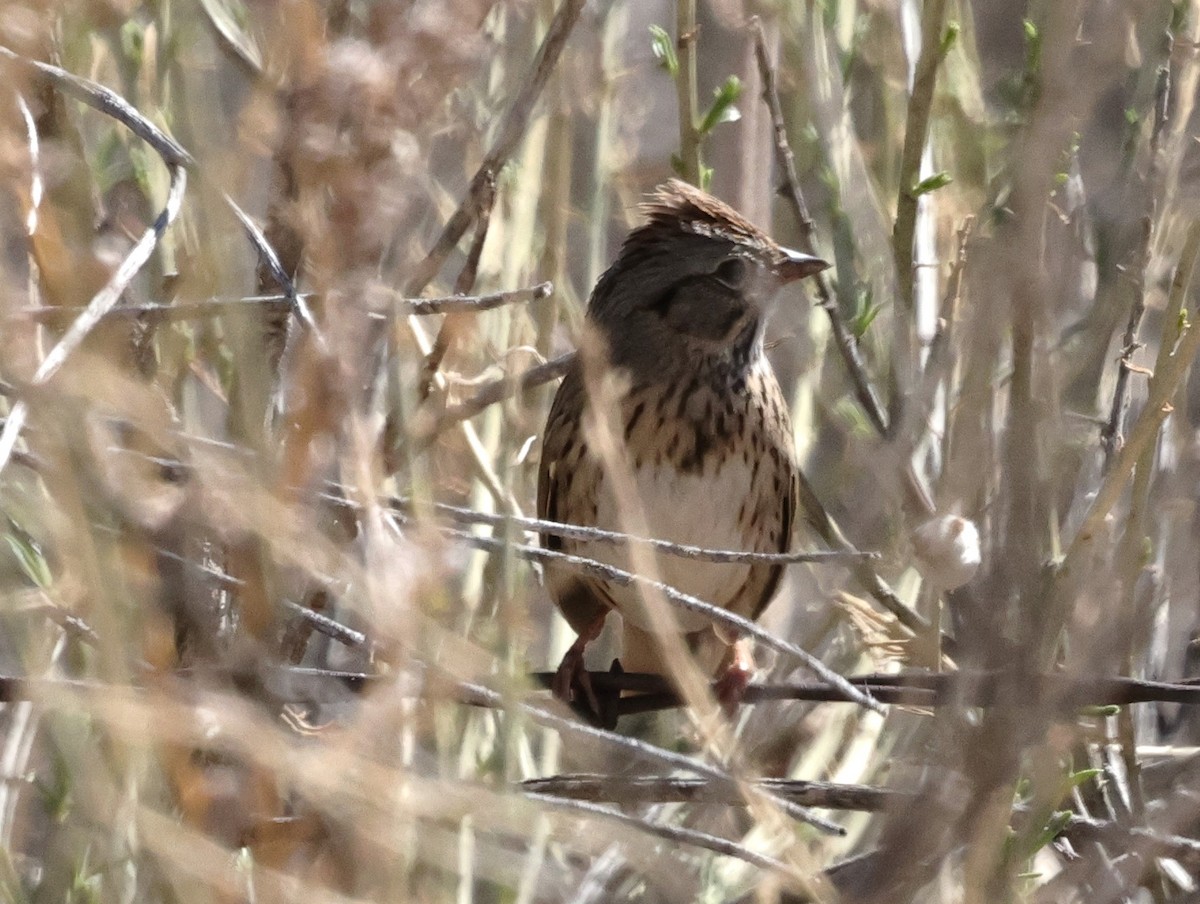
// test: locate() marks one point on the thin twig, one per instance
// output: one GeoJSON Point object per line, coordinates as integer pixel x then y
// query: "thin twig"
{"type": "Point", "coordinates": [213, 307]}
{"type": "Point", "coordinates": [789, 187]}
{"type": "Point", "coordinates": [454, 304]}
{"type": "Point", "coordinates": [509, 133]}
{"type": "Point", "coordinates": [633, 750]}
{"type": "Point", "coordinates": [176, 159]}
{"type": "Point", "coordinates": [267, 255]}
{"type": "Point", "coordinates": [330, 627]}
{"type": "Point", "coordinates": [37, 186]}
{"type": "Point", "coordinates": [939, 362]}
{"type": "Point", "coordinates": [1111, 435]}
{"type": "Point", "coordinates": [580, 532]}
{"type": "Point", "coordinates": [717, 614]}
{"type": "Point", "coordinates": [1080, 829]}
{"type": "Point", "coordinates": [680, 834]}
{"type": "Point", "coordinates": [65, 619]}
{"type": "Point", "coordinates": [495, 392]}
{"type": "Point", "coordinates": [685, 91]}
{"type": "Point", "coordinates": [454, 322]}
{"type": "Point", "coordinates": [1163, 385]}
{"type": "Point", "coordinates": [645, 789]}
{"type": "Point", "coordinates": [844, 340]}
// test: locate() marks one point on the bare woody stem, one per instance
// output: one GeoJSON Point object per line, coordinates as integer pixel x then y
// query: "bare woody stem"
{"type": "Point", "coordinates": [789, 187]}
{"type": "Point", "coordinates": [685, 86]}
{"type": "Point", "coordinates": [933, 50]}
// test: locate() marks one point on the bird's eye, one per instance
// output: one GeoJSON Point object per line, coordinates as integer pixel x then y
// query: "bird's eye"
{"type": "Point", "coordinates": [732, 271]}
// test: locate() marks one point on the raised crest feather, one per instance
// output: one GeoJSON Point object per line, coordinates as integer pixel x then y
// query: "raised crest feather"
{"type": "Point", "coordinates": [677, 205]}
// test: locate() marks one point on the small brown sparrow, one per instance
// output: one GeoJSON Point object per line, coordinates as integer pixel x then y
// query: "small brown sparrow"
{"type": "Point", "coordinates": [707, 433]}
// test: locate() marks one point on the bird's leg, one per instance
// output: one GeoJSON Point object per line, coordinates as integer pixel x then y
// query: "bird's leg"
{"type": "Point", "coordinates": [734, 676]}
{"type": "Point", "coordinates": [572, 673]}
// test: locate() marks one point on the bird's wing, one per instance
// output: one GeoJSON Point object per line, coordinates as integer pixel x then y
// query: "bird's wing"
{"type": "Point", "coordinates": [561, 471]}
{"type": "Point", "coordinates": [764, 579]}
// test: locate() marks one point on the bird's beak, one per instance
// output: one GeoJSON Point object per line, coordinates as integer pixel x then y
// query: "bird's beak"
{"type": "Point", "coordinates": [797, 265]}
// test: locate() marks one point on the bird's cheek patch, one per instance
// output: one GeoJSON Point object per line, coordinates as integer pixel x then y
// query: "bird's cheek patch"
{"type": "Point", "coordinates": [712, 316]}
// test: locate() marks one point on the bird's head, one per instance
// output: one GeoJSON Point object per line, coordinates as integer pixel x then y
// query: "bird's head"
{"type": "Point", "coordinates": [696, 279]}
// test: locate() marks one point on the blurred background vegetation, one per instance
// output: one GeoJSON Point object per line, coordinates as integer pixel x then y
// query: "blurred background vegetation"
{"type": "Point", "coordinates": [1008, 192]}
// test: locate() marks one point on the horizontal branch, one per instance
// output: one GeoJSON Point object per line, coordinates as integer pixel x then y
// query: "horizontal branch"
{"type": "Point", "coordinates": [323, 624]}
{"type": "Point", "coordinates": [927, 689]}
{"type": "Point", "coordinates": [684, 835]}
{"type": "Point", "coordinates": [468, 304]}
{"type": "Point", "coordinates": [213, 307]}
{"type": "Point", "coordinates": [716, 614]}
{"type": "Point", "coordinates": [581, 532]}
{"type": "Point", "coordinates": [920, 689]}
{"type": "Point", "coordinates": [644, 789]}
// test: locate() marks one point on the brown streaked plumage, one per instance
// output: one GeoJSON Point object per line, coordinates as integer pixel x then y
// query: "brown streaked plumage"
{"type": "Point", "coordinates": [681, 314]}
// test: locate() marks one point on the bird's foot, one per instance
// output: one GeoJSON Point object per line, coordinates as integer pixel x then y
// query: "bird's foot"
{"type": "Point", "coordinates": [572, 680]}
{"type": "Point", "coordinates": [573, 683]}
{"type": "Point", "coordinates": [734, 677]}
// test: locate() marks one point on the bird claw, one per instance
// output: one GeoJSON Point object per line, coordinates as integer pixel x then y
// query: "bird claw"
{"type": "Point", "coordinates": [573, 685]}
{"type": "Point", "coordinates": [572, 678]}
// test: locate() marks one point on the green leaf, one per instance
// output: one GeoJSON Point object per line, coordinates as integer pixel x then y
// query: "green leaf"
{"type": "Point", "coordinates": [949, 38]}
{"type": "Point", "coordinates": [133, 42]}
{"type": "Point", "coordinates": [931, 183]}
{"type": "Point", "coordinates": [1075, 779]}
{"type": "Point", "coordinates": [1051, 830]}
{"type": "Point", "coordinates": [30, 557]}
{"type": "Point", "coordinates": [664, 49]}
{"type": "Point", "coordinates": [865, 315]}
{"type": "Point", "coordinates": [706, 174]}
{"type": "Point", "coordinates": [722, 108]}
{"type": "Point", "coordinates": [677, 166]}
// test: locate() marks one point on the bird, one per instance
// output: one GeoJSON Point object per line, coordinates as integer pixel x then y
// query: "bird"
{"type": "Point", "coordinates": [707, 434]}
